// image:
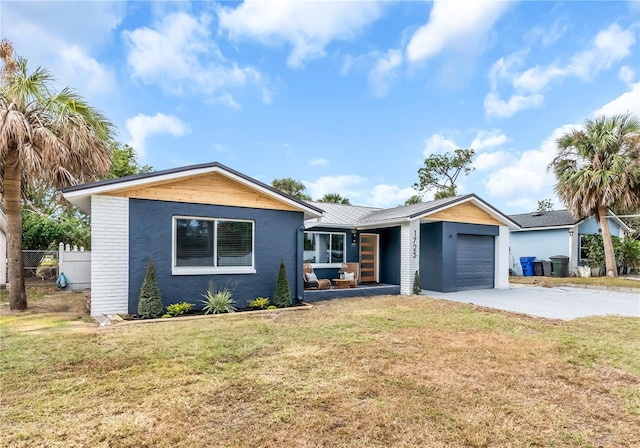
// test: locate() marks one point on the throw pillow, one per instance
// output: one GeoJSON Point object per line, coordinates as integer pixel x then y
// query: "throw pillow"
{"type": "Point", "coordinates": [349, 275]}
{"type": "Point", "coordinates": [311, 277]}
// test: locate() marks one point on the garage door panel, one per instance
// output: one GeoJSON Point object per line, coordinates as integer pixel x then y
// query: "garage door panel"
{"type": "Point", "coordinates": [475, 262]}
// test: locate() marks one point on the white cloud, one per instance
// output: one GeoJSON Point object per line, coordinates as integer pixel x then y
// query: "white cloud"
{"type": "Point", "coordinates": [61, 37]}
{"type": "Point", "coordinates": [629, 101]}
{"type": "Point", "coordinates": [319, 162]}
{"type": "Point", "coordinates": [179, 55]}
{"type": "Point", "coordinates": [385, 196]}
{"type": "Point", "coordinates": [345, 185]}
{"type": "Point", "coordinates": [143, 126]}
{"type": "Point", "coordinates": [494, 106]}
{"type": "Point", "coordinates": [489, 160]}
{"type": "Point", "coordinates": [308, 26]}
{"type": "Point", "coordinates": [488, 139]}
{"type": "Point", "coordinates": [228, 100]}
{"type": "Point", "coordinates": [438, 144]}
{"type": "Point", "coordinates": [626, 74]}
{"type": "Point", "coordinates": [383, 71]}
{"type": "Point", "coordinates": [610, 45]}
{"type": "Point", "coordinates": [454, 25]}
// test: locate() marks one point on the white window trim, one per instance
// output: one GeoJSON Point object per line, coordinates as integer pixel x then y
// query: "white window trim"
{"type": "Point", "coordinates": [330, 265]}
{"type": "Point", "coordinates": [207, 270]}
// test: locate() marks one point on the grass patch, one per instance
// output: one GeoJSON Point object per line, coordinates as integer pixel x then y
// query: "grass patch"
{"type": "Point", "coordinates": [366, 372]}
{"type": "Point", "coordinates": [594, 281]}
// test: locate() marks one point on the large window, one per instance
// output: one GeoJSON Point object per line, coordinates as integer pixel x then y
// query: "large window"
{"type": "Point", "coordinates": [324, 247]}
{"type": "Point", "coordinates": [208, 245]}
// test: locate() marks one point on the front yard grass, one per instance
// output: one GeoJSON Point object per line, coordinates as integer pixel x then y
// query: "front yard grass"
{"type": "Point", "coordinates": [594, 281]}
{"type": "Point", "coordinates": [367, 372]}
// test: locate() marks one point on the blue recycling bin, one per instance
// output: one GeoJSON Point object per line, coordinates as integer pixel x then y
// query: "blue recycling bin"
{"type": "Point", "coordinates": [527, 266]}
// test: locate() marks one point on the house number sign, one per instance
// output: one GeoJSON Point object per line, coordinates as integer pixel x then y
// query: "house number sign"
{"type": "Point", "coordinates": [415, 244]}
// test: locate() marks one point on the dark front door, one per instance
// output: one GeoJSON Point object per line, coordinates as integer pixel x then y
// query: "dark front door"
{"type": "Point", "coordinates": [475, 265]}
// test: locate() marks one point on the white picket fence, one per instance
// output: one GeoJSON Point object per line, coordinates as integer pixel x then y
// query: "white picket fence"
{"type": "Point", "coordinates": [76, 265]}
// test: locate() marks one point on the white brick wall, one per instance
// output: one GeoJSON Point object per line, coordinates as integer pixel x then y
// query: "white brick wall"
{"type": "Point", "coordinates": [109, 255]}
{"type": "Point", "coordinates": [409, 255]}
{"type": "Point", "coordinates": [501, 280]}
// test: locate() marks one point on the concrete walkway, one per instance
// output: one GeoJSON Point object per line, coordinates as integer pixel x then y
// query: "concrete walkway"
{"type": "Point", "coordinates": [554, 303]}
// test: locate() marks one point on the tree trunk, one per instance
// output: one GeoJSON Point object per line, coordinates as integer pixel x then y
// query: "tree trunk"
{"type": "Point", "coordinates": [12, 181]}
{"type": "Point", "coordinates": [609, 255]}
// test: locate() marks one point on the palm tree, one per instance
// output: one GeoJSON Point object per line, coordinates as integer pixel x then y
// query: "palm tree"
{"type": "Point", "coordinates": [597, 168]}
{"type": "Point", "coordinates": [334, 198]}
{"type": "Point", "coordinates": [45, 136]}
{"type": "Point", "coordinates": [291, 187]}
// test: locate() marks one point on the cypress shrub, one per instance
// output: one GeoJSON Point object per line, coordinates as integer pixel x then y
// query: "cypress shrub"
{"type": "Point", "coordinates": [149, 300]}
{"type": "Point", "coordinates": [416, 284]}
{"type": "Point", "coordinates": [282, 294]}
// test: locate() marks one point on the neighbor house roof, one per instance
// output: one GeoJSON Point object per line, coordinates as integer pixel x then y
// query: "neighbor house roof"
{"type": "Point", "coordinates": [356, 217]}
{"type": "Point", "coordinates": [80, 195]}
{"type": "Point", "coordinates": [555, 219]}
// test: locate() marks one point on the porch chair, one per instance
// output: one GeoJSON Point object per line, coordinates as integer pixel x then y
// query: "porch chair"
{"type": "Point", "coordinates": [352, 268]}
{"type": "Point", "coordinates": [311, 280]}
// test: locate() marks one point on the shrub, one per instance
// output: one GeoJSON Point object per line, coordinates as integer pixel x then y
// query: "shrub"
{"type": "Point", "coordinates": [260, 303]}
{"type": "Point", "coordinates": [149, 300]}
{"type": "Point", "coordinates": [282, 294]}
{"type": "Point", "coordinates": [216, 302]}
{"type": "Point", "coordinates": [416, 284]}
{"type": "Point", "coordinates": [178, 309]}
{"type": "Point", "coordinates": [272, 307]}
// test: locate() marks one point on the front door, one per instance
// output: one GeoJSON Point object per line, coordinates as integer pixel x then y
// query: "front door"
{"type": "Point", "coordinates": [368, 257]}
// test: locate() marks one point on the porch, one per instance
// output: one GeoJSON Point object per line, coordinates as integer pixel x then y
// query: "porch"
{"type": "Point", "coordinates": [362, 290]}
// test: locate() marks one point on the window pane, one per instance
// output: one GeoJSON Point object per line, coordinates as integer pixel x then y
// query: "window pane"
{"type": "Point", "coordinates": [337, 248]}
{"type": "Point", "coordinates": [194, 242]}
{"type": "Point", "coordinates": [310, 251]}
{"type": "Point", "coordinates": [235, 243]}
{"type": "Point", "coordinates": [322, 244]}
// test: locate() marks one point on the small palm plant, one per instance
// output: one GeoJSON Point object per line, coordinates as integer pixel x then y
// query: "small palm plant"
{"type": "Point", "coordinates": [216, 302]}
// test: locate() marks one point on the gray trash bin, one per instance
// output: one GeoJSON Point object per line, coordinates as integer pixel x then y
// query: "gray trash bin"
{"type": "Point", "coordinates": [560, 265]}
{"type": "Point", "coordinates": [546, 268]}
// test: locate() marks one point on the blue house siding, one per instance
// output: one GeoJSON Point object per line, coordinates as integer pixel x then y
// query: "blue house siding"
{"type": "Point", "coordinates": [150, 226]}
{"type": "Point", "coordinates": [388, 256]}
{"type": "Point", "coordinates": [541, 244]}
{"type": "Point", "coordinates": [591, 227]}
{"type": "Point", "coordinates": [438, 260]}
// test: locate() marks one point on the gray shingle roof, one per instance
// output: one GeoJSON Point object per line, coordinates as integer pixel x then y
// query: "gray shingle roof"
{"type": "Point", "coordinates": [405, 211]}
{"type": "Point", "coordinates": [555, 218]}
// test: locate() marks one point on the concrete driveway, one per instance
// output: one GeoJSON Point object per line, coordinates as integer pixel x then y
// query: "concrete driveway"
{"type": "Point", "coordinates": [554, 303]}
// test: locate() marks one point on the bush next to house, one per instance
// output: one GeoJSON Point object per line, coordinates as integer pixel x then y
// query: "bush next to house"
{"type": "Point", "coordinates": [149, 300]}
{"type": "Point", "coordinates": [282, 294]}
{"type": "Point", "coordinates": [178, 309]}
{"type": "Point", "coordinates": [416, 283]}
{"type": "Point", "coordinates": [216, 302]}
{"type": "Point", "coordinates": [261, 303]}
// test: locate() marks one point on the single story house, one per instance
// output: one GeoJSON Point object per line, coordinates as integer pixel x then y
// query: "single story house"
{"type": "Point", "coordinates": [208, 222]}
{"type": "Point", "coordinates": [546, 234]}
{"type": "Point", "coordinates": [3, 248]}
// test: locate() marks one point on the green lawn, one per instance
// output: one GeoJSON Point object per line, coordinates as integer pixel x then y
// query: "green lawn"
{"type": "Point", "coordinates": [367, 372]}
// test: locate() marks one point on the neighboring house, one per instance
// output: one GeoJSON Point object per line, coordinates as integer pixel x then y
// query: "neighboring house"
{"type": "Point", "coordinates": [545, 234]}
{"type": "Point", "coordinates": [209, 222]}
{"type": "Point", "coordinates": [3, 248]}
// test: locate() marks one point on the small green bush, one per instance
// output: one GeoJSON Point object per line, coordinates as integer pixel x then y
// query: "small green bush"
{"type": "Point", "coordinates": [216, 302]}
{"type": "Point", "coordinates": [178, 309]}
{"type": "Point", "coordinates": [282, 294]}
{"type": "Point", "coordinates": [261, 303]}
{"type": "Point", "coordinates": [149, 300]}
{"type": "Point", "coordinates": [416, 284]}
{"type": "Point", "coordinates": [166, 316]}
{"type": "Point", "coordinates": [272, 307]}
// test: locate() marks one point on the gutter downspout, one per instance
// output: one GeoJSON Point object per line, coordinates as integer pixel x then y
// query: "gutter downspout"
{"type": "Point", "coordinates": [299, 261]}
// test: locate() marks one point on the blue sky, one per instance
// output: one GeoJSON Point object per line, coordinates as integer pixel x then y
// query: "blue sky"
{"type": "Point", "coordinates": [348, 97]}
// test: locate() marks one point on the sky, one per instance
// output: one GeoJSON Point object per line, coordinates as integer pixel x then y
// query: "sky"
{"type": "Point", "coordinates": [348, 97]}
